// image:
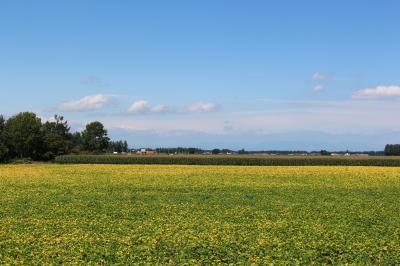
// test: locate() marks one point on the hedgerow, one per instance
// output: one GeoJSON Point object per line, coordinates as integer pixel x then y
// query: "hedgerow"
{"type": "Point", "coordinates": [228, 160]}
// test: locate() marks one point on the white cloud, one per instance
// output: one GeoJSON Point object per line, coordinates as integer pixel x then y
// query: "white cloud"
{"type": "Point", "coordinates": [378, 92]}
{"type": "Point", "coordinates": [161, 108]}
{"type": "Point", "coordinates": [318, 88]}
{"type": "Point", "coordinates": [307, 102]}
{"type": "Point", "coordinates": [140, 106]}
{"type": "Point", "coordinates": [144, 107]}
{"type": "Point", "coordinates": [319, 76]}
{"type": "Point", "coordinates": [346, 117]}
{"type": "Point", "coordinates": [202, 107]}
{"type": "Point", "coordinates": [87, 103]}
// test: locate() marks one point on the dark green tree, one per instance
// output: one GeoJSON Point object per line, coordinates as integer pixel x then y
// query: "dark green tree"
{"type": "Point", "coordinates": [114, 146]}
{"type": "Point", "coordinates": [118, 146]}
{"type": "Point", "coordinates": [94, 137]}
{"type": "Point", "coordinates": [242, 151]}
{"type": "Point", "coordinates": [125, 146]}
{"type": "Point", "coordinates": [392, 150]}
{"type": "Point", "coordinates": [24, 136]}
{"type": "Point", "coordinates": [216, 151]}
{"type": "Point", "coordinates": [76, 142]}
{"type": "Point", "coordinates": [57, 138]}
{"type": "Point", "coordinates": [324, 153]}
{"type": "Point", "coordinates": [3, 145]}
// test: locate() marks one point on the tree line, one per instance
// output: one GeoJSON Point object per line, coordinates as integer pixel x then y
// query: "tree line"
{"type": "Point", "coordinates": [179, 150]}
{"type": "Point", "coordinates": [191, 150]}
{"type": "Point", "coordinates": [392, 150]}
{"type": "Point", "coordinates": [25, 136]}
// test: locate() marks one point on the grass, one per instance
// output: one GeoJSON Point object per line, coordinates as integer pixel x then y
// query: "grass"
{"type": "Point", "coordinates": [106, 214]}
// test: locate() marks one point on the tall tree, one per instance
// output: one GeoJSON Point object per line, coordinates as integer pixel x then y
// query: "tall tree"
{"type": "Point", "coordinates": [3, 146]}
{"type": "Point", "coordinates": [118, 146]}
{"type": "Point", "coordinates": [76, 142]}
{"type": "Point", "coordinates": [94, 137]}
{"type": "Point", "coordinates": [24, 135]}
{"type": "Point", "coordinates": [125, 146]}
{"type": "Point", "coordinates": [57, 138]}
{"type": "Point", "coordinates": [392, 149]}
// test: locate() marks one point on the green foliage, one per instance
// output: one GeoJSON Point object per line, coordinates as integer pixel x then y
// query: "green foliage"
{"type": "Point", "coordinates": [3, 145]}
{"type": "Point", "coordinates": [94, 137]}
{"type": "Point", "coordinates": [21, 161]}
{"type": "Point", "coordinates": [216, 151]}
{"type": "Point", "coordinates": [24, 135]}
{"type": "Point", "coordinates": [3, 152]}
{"type": "Point", "coordinates": [180, 150]}
{"type": "Point", "coordinates": [77, 142]}
{"type": "Point", "coordinates": [392, 150]}
{"type": "Point", "coordinates": [242, 151]}
{"type": "Point", "coordinates": [57, 139]}
{"type": "Point", "coordinates": [229, 160]}
{"type": "Point", "coordinates": [325, 153]}
{"type": "Point", "coordinates": [118, 146]}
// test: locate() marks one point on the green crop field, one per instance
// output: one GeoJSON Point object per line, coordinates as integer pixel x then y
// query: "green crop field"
{"type": "Point", "coordinates": [244, 160]}
{"type": "Point", "coordinates": [182, 214]}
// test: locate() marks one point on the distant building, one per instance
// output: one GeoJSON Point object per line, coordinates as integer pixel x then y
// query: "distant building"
{"type": "Point", "coordinates": [146, 152]}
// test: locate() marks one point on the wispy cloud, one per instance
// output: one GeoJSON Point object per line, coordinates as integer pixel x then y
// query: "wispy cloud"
{"type": "Point", "coordinates": [161, 108]}
{"type": "Point", "coordinates": [378, 92]}
{"type": "Point", "coordinates": [144, 107]}
{"type": "Point", "coordinates": [318, 88]}
{"type": "Point", "coordinates": [93, 81]}
{"type": "Point", "coordinates": [202, 107]}
{"type": "Point", "coordinates": [87, 103]}
{"type": "Point", "coordinates": [302, 101]}
{"type": "Point", "coordinates": [318, 76]}
{"type": "Point", "coordinates": [140, 106]}
{"type": "Point", "coordinates": [346, 116]}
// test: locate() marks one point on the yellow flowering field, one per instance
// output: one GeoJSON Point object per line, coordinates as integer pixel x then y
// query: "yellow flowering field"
{"type": "Point", "coordinates": [174, 214]}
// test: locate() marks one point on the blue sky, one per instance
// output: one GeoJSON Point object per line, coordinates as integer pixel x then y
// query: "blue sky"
{"type": "Point", "coordinates": [236, 74]}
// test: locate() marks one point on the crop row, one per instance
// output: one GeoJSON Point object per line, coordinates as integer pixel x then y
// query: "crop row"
{"type": "Point", "coordinates": [228, 160]}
